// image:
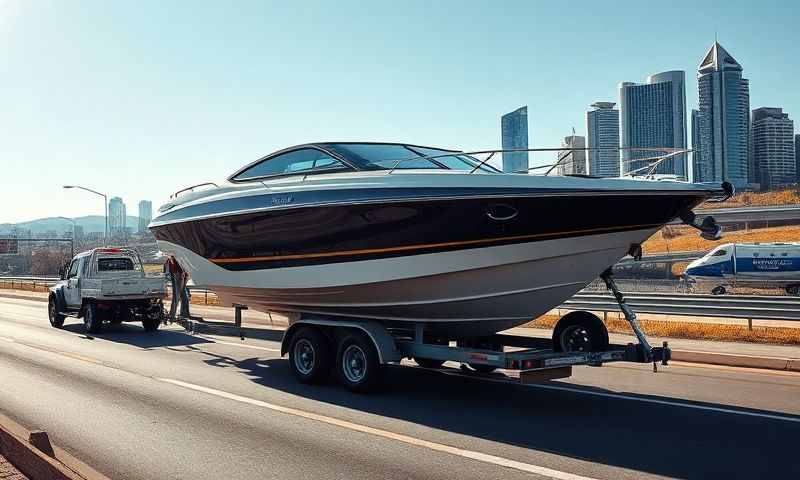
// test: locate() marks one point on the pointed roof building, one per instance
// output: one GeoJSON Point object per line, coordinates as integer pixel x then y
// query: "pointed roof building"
{"type": "Point", "coordinates": [718, 59]}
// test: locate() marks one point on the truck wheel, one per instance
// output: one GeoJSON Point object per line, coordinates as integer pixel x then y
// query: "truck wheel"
{"type": "Point", "coordinates": [580, 332]}
{"type": "Point", "coordinates": [357, 363]}
{"type": "Point", "coordinates": [56, 319]}
{"type": "Point", "coordinates": [91, 320]}
{"type": "Point", "coordinates": [719, 290]}
{"type": "Point", "coordinates": [429, 362]}
{"type": "Point", "coordinates": [151, 324]}
{"type": "Point", "coordinates": [793, 290]}
{"type": "Point", "coordinates": [310, 355]}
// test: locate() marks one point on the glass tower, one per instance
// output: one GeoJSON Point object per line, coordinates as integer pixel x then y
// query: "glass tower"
{"type": "Point", "coordinates": [724, 120]}
{"type": "Point", "coordinates": [514, 130]}
{"type": "Point", "coordinates": [602, 127]}
{"type": "Point", "coordinates": [773, 148]}
{"type": "Point", "coordinates": [653, 115]}
{"type": "Point", "coordinates": [697, 156]}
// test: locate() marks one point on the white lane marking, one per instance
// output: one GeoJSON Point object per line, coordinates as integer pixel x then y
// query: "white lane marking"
{"type": "Point", "coordinates": [6, 339]}
{"type": "Point", "coordinates": [646, 400]}
{"type": "Point", "coordinates": [214, 340]}
{"type": "Point", "coordinates": [481, 457]}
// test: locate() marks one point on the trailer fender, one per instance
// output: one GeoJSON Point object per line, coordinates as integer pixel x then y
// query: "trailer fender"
{"type": "Point", "coordinates": [383, 341]}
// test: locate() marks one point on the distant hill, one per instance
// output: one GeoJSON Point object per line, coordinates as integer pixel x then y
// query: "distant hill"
{"type": "Point", "coordinates": [90, 223]}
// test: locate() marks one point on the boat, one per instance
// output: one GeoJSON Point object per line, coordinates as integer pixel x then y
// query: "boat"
{"type": "Point", "coordinates": [403, 234]}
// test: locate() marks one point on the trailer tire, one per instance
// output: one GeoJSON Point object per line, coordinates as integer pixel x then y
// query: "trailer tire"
{"type": "Point", "coordinates": [310, 355]}
{"type": "Point", "coordinates": [793, 290]}
{"type": "Point", "coordinates": [718, 290]}
{"type": "Point", "coordinates": [91, 319]}
{"type": "Point", "coordinates": [56, 318]}
{"type": "Point", "coordinates": [358, 364]}
{"type": "Point", "coordinates": [429, 362]}
{"type": "Point", "coordinates": [580, 331]}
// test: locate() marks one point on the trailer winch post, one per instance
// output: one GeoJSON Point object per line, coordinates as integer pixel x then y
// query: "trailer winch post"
{"type": "Point", "coordinates": [630, 316]}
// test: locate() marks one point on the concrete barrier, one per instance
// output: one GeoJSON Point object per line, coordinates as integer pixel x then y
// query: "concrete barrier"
{"type": "Point", "coordinates": [32, 454]}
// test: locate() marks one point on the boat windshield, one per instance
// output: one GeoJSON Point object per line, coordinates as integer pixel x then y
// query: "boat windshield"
{"type": "Point", "coordinates": [384, 156]}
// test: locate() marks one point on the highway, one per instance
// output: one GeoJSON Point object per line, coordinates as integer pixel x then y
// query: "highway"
{"type": "Point", "coordinates": [172, 405]}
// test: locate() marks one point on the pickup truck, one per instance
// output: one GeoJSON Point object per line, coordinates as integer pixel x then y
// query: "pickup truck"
{"type": "Point", "coordinates": [107, 284]}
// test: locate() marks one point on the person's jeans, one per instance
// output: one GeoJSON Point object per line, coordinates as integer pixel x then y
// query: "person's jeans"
{"type": "Point", "coordinates": [173, 307]}
{"type": "Point", "coordinates": [184, 301]}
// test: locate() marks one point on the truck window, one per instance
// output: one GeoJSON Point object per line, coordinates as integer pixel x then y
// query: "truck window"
{"type": "Point", "coordinates": [73, 269]}
{"type": "Point", "coordinates": [114, 264]}
{"type": "Point", "coordinates": [719, 253]}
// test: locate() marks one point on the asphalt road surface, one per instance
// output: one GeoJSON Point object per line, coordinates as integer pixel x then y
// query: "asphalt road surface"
{"type": "Point", "coordinates": [171, 405]}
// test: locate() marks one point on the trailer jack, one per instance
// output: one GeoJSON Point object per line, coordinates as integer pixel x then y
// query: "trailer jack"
{"type": "Point", "coordinates": [646, 353]}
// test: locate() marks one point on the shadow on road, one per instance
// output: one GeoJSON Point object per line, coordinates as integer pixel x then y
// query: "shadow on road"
{"type": "Point", "coordinates": [660, 439]}
{"type": "Point", "coordinates": [134, 334]}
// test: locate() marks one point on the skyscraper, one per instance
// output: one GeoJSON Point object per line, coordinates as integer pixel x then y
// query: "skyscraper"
{"type": "Point", "coordinates": [724, 120]}
{"type": "Point", "coordinates": [145, 215]}
{"type": "Point", "coordinates": [514, 128]}
{"type": "Point", "coordinates": [773, 148]}
{"type": "Point", "coordinates": [697, 157]}
{"type": "Point", "coordinates": [572, 162]}
{"type": "Point", "coordinates": [602, 127]}
{"type": "Point", "coordinates": [116, 215]}
{"type": "Point", "coordinates": [797, 155]}
{"type": "Point", "coordinates": [653, 115]}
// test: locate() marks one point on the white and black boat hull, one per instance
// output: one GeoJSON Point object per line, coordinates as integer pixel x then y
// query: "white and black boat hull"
{"type": "Point", "coordinates": [469, 292]}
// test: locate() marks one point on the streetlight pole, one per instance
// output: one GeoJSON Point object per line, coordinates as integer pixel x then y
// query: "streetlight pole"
{"type": "Point", "coordinates": [105, 206]}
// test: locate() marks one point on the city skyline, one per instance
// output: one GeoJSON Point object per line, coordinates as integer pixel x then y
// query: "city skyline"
{"type": "Point", "coordinates": [196, 111]}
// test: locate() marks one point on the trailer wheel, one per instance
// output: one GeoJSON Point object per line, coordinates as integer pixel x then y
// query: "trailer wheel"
{"type": "Point", "coordinates": [91, 319]}
{"type": "Point", "coordinates": [428, 362]}
{"type": "Point", "coordinates": [793, 290]}
{"type": "Point", "coordinates": [718, 290]}
{"type": "Point", "coordinates": [580, 332]}
{"type": "Point", "coordinates": [56, 319]}
{"type": "Point", "coordinates": [357, 363]}
{"type": "Point", "coordinates": [310, 355]}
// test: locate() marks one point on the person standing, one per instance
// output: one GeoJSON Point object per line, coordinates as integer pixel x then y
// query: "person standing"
{"type": "Point", "coordinates": [180, 292]}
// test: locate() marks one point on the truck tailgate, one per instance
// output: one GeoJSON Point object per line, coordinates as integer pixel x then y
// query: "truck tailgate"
{"type": "Point", "coordinates": [132, 286]}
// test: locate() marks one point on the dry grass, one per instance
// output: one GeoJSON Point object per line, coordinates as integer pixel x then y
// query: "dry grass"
{"type": "Point", "coordinates": [757, 199]}
{"type": "Point", "coordinates": [677, 239]}
{"type": "Point", "coordinates": [694, 331]}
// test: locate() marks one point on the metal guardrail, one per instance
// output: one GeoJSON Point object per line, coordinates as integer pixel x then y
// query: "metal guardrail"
{"type": "Point", "coordinates": [750, 307]}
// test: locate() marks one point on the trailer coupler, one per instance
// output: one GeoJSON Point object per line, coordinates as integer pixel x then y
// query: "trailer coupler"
{"type": "Point", "coordinates": [645, 352]}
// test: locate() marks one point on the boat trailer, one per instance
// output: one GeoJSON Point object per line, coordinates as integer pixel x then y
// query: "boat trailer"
{"type": "Point", "coordinates": [358, 347]}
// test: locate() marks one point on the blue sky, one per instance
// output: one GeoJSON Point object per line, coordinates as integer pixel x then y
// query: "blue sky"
{"type": "Point", "coordinates": [138, 99]}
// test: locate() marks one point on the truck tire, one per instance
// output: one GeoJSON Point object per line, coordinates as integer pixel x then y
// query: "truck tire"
{"type": "Point", "coordinates": [793, 290]}
{"type": "Point", "coordinates": [357, 363]}
{"type": "Point", "coordinates": [310, 355]}
{"type": "Point", "coordinates": [91, 319]}
{"type": "Point", "coordinates": [56, 318]}
{"type": "Point", "coordinates": [719, 290]}
{"type": "Point", "coordinates": [580, 332]}
{"type": "Point", "coordinates": [151, 324]}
